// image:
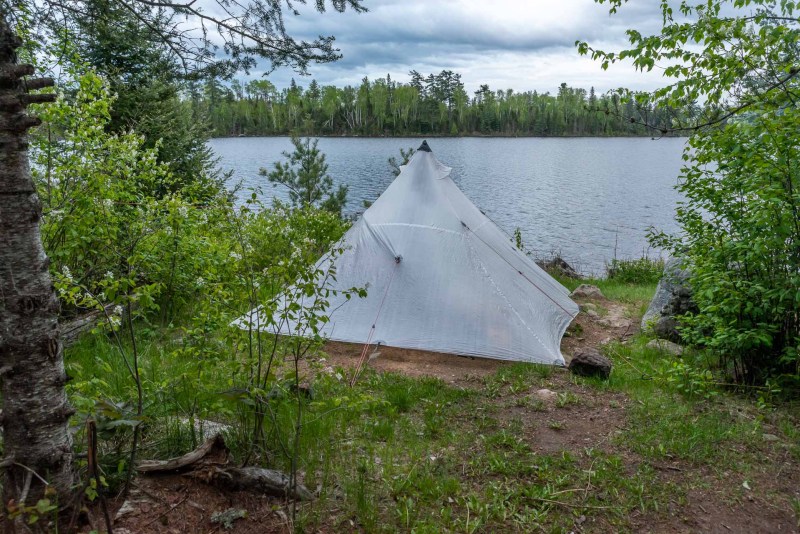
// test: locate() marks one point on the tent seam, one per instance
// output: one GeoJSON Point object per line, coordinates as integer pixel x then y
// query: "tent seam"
{"type": "Point", "coordinates": [499, 292]}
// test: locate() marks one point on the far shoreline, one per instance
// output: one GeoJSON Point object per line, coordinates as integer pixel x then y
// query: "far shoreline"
{"type": "Point", "coordinates": [444, 136]}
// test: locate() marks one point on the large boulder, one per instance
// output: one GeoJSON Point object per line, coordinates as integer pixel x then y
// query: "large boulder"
{"type": "Point", "coordinates": [673, 297]}
{"type": "Point", "coordinates": [589, 362]}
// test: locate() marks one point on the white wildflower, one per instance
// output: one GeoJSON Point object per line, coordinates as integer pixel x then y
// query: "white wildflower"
{"type": "Point", "coordinates": [117, 310]}
{"type": "Point", "coordinates": [236, 256]}
{"type": "Point", "coordinates": [109, 275]}
{"type": "Point", "coordinates": [256, 284]}
{"type": "Point", "coordinates": [108, 203]}
{"type": "Point", "coordinates": [115, 321]}
{"type": "Point", "coordinates": [338, 376]}
{"type": "Point", "coordinates": [183, 211]}
{"type": "Point", "coordinates": [200, 282]}
{"type": "Point", "coordinates": [67, 273]}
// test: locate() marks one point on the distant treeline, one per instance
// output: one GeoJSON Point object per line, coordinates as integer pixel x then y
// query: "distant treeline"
{"type": "Point", "coordinates": [436, 104]}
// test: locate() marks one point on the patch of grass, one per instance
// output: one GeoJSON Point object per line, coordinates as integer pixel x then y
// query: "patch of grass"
{"type": "Point", "coordinates": [567, 398]}
{"type": "Point", "coordinates": [556, 425]}
{"type": "Point", "coordinates": [666, 423]}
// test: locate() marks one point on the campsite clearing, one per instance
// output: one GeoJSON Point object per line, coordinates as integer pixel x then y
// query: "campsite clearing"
{"type": "Point", "coordinates": [476, 446]}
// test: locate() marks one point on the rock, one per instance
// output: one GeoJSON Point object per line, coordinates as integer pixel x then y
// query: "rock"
{"type": "Point", "coordinates": [770, 437]}
{"type": "Point", "coordinates": [546, 395]}
{"type": "Point", "coordinates": [589, 306]}
{"type": "Point", "coordinates": [665, 346]}
{"type": "Point", "coordinates": [593, 314]}
{"type": "Point", "coordinates": [614, 321]}
{"type": "Point", "coordinates": [587, 291]}
{"type": "Point", "coordinates": [126, 508]}
{"type": "Point", "coordinates": [557, 265]}
{"type": "Point", "coordinates": [666, 327]}
{"type": "Point", "coordinates": [673, 297]}
{"type": "Point", "coordinates": [589, 362]}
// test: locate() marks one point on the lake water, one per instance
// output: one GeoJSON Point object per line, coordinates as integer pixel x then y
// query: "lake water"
{"type": "Point", "coordinates": [588, 199]}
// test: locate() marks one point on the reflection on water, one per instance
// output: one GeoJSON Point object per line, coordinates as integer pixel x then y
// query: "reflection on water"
{"type": "Point", "coordinates": [587, 198]}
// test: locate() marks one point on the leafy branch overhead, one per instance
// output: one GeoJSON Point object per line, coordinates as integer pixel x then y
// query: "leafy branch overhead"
{"type": "Point", "coordinates": [218, 37]}
{"type": "Point", "coordinates": [728, 55]}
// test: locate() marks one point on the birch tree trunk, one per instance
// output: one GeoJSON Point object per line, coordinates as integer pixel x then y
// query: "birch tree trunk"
{"type": "Point", "coordinates": [36, 440]}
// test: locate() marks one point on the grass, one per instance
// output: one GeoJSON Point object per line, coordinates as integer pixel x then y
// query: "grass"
{"type": "Point", "coordinates": [400, 453]}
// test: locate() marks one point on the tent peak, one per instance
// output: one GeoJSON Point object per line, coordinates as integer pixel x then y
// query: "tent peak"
{"type": "Point", "coordinates": [424, 147]}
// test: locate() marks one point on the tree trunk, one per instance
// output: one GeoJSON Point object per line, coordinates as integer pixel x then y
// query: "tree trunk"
{"type": "Point", "coordinates": [36, 440]}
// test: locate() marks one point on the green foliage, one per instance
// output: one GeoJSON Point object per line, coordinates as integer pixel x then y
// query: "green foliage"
{"type": "Point", "coordinates": [86, 176]}
{"type": "Point", "coordinates": [517, 239]}
{"type": "Point", "coordinates": [305, 175]}
{"type": "Point", "coordinates": [690, 380]}
{"type": "Point", "coordinates": [739, 221]}
{"type": "Point", "coordinates": [643, 270]}
{"type": "Point", "coordinates": [143, 259]}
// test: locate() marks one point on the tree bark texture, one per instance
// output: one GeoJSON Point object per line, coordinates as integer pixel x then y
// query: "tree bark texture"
{"type": "Point", "coordinates": [35, 411]}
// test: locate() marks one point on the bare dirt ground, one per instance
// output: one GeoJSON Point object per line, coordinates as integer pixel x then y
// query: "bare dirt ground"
{"type": "Point", "coordinates": [176, 504]}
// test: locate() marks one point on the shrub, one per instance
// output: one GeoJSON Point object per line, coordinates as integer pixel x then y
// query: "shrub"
{"type": "Point", "coordinates": [639, 271]}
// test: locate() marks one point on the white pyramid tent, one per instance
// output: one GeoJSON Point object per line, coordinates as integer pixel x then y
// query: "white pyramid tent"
{"type": "Point", "coordinates": [442, 277]}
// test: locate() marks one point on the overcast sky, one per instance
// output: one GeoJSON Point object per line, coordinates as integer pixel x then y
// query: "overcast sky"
{"type": "Point", "coordinates": [517, 44]}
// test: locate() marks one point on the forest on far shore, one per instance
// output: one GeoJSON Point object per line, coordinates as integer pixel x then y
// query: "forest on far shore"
{"type": "Point", "coordinates": [434, 105]}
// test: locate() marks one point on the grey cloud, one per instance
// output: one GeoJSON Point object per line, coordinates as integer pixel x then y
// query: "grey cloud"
{"type": "Point", "coordinates": [505, 43]}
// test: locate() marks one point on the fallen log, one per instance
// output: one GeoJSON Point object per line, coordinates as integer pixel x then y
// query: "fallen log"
{"type": "Point", "coordinates": [258, 479]}
{"type": "Point", "coordinates": [210, 463]}
{"type": "Point", "coordinates": [213, 445]}
{"type": "Point", "coordinates": [71, 330]}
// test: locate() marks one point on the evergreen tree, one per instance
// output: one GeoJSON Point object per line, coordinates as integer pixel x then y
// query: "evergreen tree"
{"type": "Point", "coordinates": [147, 82]}
{"type": "Point", "coordinates": [305, 175]}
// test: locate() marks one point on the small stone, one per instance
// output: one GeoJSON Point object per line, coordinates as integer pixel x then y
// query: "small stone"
{"type": "Point", "coordinates": [615, 322]}
{"type": "Point", "coordinates": [665, 346]}
{"type": "Point", "coordinates": [593, 314]}
{"type": "Point", "coordinates": [590, 362]}
{"type": "Point", "coordinates": [546, 395]}
{"type": "Point", "coordinates": [587, 291]}
{"type": "Point", "coordinates": [770, 437]}
{"type": "Point", "coordinates": [126, 508]}
{"type": "Point", "coordinates": [589, 306]}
